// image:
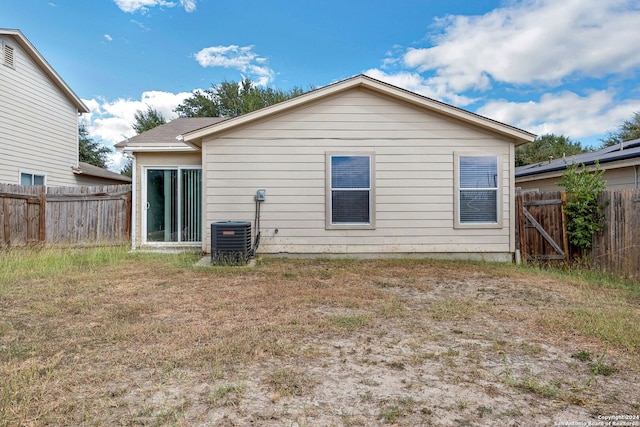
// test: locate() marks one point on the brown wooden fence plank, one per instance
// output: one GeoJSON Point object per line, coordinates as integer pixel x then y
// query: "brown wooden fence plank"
{"type": "Point", "coordinates": [64, 215]}
{"type": "Point", "coordinates": [616, 249]}
{"type": "Point", "coordinates": [542, 225]}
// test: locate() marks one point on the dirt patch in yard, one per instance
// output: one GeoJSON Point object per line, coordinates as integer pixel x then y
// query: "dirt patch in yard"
{"type": "Point", "coordinates": [154, 341]}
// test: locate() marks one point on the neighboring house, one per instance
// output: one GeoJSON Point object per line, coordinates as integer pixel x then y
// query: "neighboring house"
{"type": "Point", "coordinates": [359, 167]}
{"type": "Point", "coordinates": [620, 162]}
{"type": "Point", "coordinates": [87, 174]}
{"type": "Point", "coordinates": [38, 119]}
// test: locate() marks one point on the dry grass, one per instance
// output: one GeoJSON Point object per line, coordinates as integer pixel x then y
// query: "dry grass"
{"type": "Point", "coordinates": [103, 337]}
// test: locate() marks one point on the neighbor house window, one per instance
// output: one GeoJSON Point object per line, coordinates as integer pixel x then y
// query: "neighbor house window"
{"type": "Point", "coordinates": [350, 196]}
{"type": "Point", "coordinates": [31, 179]}
{"type": "Point", "coordinates": [477, 195]}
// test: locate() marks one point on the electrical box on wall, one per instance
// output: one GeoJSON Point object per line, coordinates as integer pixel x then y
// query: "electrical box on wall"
{"type": "Point", "coordinates": [261, 195]}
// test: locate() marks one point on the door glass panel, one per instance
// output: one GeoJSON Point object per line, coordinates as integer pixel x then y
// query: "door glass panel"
{"type": "Point", "coordinates": [191, 205]}
{"type": "Point", "coordinates": [162, 214]}
{"type": "Point", "coordinates": [174, 205]}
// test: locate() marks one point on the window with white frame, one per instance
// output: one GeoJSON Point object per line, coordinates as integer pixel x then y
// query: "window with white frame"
{"type": "Point", "coordinates": [477, 195]}
{"type": "Point", "coordinates": [31, 179]}
{"type": "Point", "coordinates": [350, 195]}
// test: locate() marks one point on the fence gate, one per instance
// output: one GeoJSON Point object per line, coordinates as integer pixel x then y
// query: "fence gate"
{"type": "Point", "coordinates": [542, 226]}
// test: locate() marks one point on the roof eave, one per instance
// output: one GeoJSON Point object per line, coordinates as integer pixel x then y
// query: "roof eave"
{"type": "Point", "coordinates": [151, 149]}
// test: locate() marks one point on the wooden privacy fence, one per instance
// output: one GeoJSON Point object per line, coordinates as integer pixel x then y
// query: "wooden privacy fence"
{"type": "Point", "coordinates": [542, 230]}
{"type": "Point", "coordinates": [616, 249]}
{"type": "Point", "coordinates": [64, 215]}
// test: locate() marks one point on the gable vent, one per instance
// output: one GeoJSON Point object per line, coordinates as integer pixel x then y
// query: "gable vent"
{"type": "Point", "coordinates": [7, 54]}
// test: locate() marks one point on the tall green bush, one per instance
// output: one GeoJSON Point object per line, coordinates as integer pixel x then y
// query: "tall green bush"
{"type": "Point", "coordinates": [584, 213]}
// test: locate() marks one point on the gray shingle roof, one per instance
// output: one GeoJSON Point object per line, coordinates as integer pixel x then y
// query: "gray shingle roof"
{"type": "Point", "coordinates": [165, 135]}
{"type": "Point", "coordinates": [626, 150]}
{"type": "Point", "coordinates": [91, 170]}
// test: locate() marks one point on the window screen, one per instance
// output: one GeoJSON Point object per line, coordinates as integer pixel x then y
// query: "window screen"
{"type": "Point", "coordinates": [350, 189]}
{"type": "Point", "coordinates": [478, 190]}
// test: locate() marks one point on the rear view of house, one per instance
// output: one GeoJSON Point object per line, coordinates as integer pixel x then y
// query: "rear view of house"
{"type": "Point", "coordinates": [357, 168]}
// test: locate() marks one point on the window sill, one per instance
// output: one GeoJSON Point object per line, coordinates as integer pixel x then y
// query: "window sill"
{"type": "Point", "coordinates": [350, 227]}
{"type": "Point", "coordinates": [478, 225]}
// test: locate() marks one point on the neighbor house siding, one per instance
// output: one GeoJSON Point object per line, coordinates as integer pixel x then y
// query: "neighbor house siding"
{"type": "Point", "coordinates": [616, 179]}
{"type": "Point", "coordinates": [94, 180]}
{"type": "Point", "coordinates": [414, 177]}
{"type": "Point", "coordinates": [39, 126]}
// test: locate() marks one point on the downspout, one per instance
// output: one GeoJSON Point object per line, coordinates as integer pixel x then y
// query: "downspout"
{"type": "Point", "coordinates": [635, 170]}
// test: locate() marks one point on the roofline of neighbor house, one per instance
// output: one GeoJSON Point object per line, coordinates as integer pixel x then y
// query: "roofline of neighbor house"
{"type": "Point", "coordinates": [615, 157]}
{"type": "Point", "coordinates": [95, 171]}
{"type": "Point", "coordinates": [519, 136]}
{"type": "Point", "coordinates": [44, 65]}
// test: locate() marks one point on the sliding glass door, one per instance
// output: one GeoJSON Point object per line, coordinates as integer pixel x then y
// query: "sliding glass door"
{"type": "Point", "coordinates": [173, 205]}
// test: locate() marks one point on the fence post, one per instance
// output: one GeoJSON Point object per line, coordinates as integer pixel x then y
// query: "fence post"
{"type": "Point", "coordinates": [43, 215]}
{"type": "Point", "coordinates": [7, 221]}
{"type": "Point", "coordinates": [522, 240]}
{"type": "Point", "coordinates": [565, 234]}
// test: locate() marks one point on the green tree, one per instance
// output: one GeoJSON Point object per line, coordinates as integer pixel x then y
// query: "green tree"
{"type": "Point", "coordinates": [146, 120]}
{"type": "Point", "coordinates": [584, 214]}
{"type": "Point", "coordinates": [627, 131]}
{"type": "Point", "coordinates": [90, 151]}
{"type": "Point", "coordinates": [545, 146]}
{"type": "Point", "coordinates": [230, 99]}
{"type": "Point", "coordinates": [127, 169]}
{"type": "Point", "coordinates": [200, 104]}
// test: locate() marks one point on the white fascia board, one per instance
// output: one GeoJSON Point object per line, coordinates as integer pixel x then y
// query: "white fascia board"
{"type": "Point", "coordinates": [147, 149]}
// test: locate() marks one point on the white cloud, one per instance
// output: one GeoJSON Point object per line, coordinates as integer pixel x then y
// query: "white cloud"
{"type": "Point", "coordinates": [414, 82]}
{"type": "Point", "coordinates": [189, 5]}
{"type": "Point", "coordinates": [241, 58]}
{"type": "Point", "coordinates": [143, 6]}
{"type": "Point", "coordinates": [108, 37]}
{"type": "Point", "coordinates": [532, 41]}
{"type": "Point", "coordinates": [109, 122]}
{"type": "Point", "coordinates": [528, 43]}
{"type": "Point", "coordinates": [564, 113]}
{"type": "Point", "coordinates": [140, 24]}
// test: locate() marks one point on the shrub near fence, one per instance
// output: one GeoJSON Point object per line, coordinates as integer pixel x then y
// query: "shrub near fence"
{"type": "Point", "coordinates": [64, 215]}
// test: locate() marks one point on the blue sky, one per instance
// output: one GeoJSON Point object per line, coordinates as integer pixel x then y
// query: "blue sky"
{"type": "Point", "coordinates": [568, 67]}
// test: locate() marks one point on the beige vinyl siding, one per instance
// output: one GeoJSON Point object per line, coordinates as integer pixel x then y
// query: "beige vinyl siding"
{"type": "Point", "coordinates": [414, 182]}
{"type": "Point", "coordinates": [618, 179]}
{"type": "Point", "coordinates": [32, 106]}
